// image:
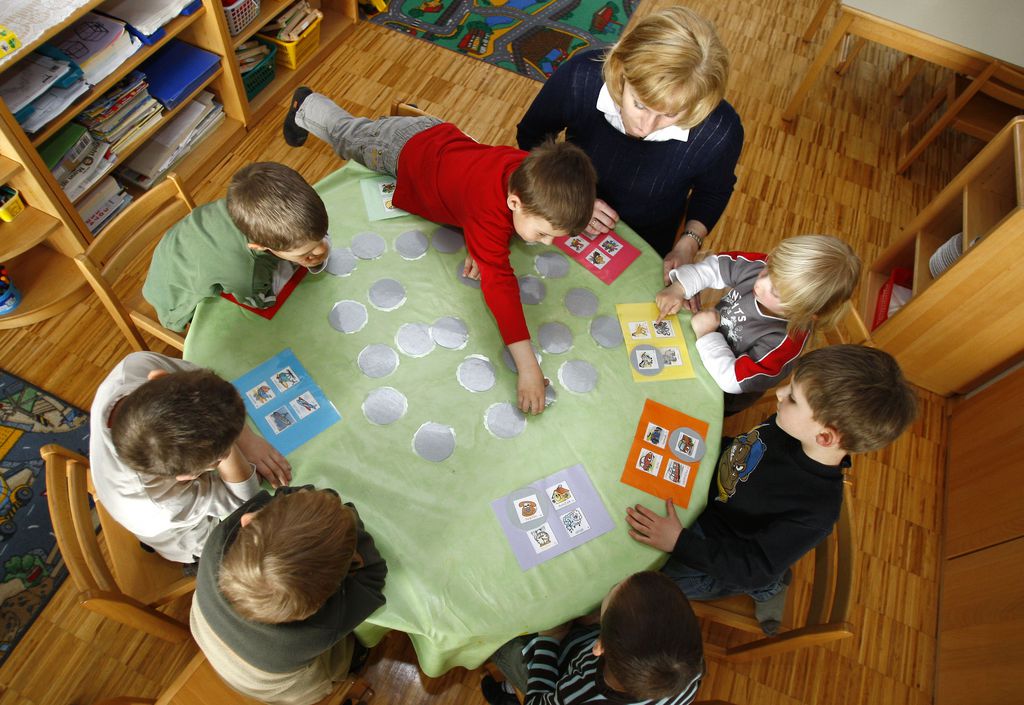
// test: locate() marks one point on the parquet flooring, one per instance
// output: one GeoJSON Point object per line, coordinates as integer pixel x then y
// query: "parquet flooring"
{"type": "Point", "coordinates": [831, 171]}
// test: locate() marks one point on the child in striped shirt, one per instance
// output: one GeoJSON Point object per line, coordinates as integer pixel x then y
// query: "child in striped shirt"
{"type": "Point", "coordinates": [644, 646]}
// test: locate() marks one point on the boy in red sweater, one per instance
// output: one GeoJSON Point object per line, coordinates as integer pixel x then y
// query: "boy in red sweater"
{"type": "Point", "coordinates": [490, 192]}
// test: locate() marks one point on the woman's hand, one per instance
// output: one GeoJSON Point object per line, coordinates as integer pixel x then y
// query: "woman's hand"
{"type": "Point", "coordinates": [604, 219]}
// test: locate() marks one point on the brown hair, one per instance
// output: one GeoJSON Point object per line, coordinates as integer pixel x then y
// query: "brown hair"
{"type": "Point", "coordinates": [814, 276]}
{"type": "Point", "coordinates": [558, 183]}
{"type": "Point", "coordinates": [858, 391]}
{"type": "Point", "coordinates": [291, 557]}
{"type": "Point", "coordinates": [674, 62]}
{"type": "Point", "coordinates": [180, 423]}
{"type": "Point", "coordinates": [651, 638]}
{"type": "Point", "coordinates": [275, 207]}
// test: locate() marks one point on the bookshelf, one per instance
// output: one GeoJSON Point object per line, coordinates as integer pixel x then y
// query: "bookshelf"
{"type": "Point", "coordinates": [963, 326]}
{"type": "Point", "coordinates": [39, 246]}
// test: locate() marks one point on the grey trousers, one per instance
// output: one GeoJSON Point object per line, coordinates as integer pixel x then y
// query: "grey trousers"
{"type": "Point", "coordinates": [509, 658]}
{"type": "Point", "coordinates": [375, 144]}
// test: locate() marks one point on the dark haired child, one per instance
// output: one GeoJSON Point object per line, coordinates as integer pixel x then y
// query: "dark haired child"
{"type": "Point", "coordinates": [247, 244]}
{"type": "Point", "coordinates": [490, 192]}
{"type": "Point", "coordinates": [645, 647]}
{"type": "Point", "coordinates": [779, 487]}
{"type": "Point", "coordinates": [282, 583]}
{"type": "Point", "coordinates": [170, 453]}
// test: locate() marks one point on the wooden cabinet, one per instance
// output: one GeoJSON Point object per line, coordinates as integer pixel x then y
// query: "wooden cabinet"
{"type": "Point", "coordinates": [38, 245]}
{"type": "Point", "coordinates": [981, 608]}
{"type": "Point", "coordinates": [963, 326]}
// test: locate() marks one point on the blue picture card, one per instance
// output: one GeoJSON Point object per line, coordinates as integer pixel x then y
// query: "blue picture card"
{"type": "Point", "coordinates": [284, 401]}
{"type": "Point", "coordinates": [551, 516]}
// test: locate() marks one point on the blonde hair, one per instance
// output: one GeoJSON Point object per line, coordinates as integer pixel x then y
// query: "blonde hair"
{"type": "Point", "coordinates": [674, 62]}
{"type": "Point", "coordinates": [814, 276]}
{"type": "Point", "coordinates": [290, 558]}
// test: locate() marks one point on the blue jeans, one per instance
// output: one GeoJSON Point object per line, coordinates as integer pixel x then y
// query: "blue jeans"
{"type": "Point", "coordinates": [700, 586]}
{"type": "Point", "coordinates": [375, 144]}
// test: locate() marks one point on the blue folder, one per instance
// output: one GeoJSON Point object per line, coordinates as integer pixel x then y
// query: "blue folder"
{"type": "Point", "coordinates": [177, 70]}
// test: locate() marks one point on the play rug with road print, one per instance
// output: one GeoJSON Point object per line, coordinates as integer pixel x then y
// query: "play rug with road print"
{"type": "Point", "coordinates": [530, 38]}
{"type": "Point", "coordinates": [31, 568]}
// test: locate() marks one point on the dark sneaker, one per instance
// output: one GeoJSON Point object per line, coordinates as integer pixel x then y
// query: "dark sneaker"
{"type": "Point", "coordinates": [294, 135]}
{"type": "Point", "coordinates": [495, 693]}
{"type": "Point", "coordinates": [359, 656]}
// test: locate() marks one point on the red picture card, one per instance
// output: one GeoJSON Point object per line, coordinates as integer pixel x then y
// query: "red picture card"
{"type": "Point", "coordinates": [605, 256]}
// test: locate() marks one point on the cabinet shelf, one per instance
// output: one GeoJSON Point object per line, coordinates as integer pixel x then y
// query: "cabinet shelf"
{"type": "Point", "coordinates": [49, 282]}
{"type": "Point", "coordinates": [269, 9]}
{"type": "Point", "coordinates": [173, 28]}
{"type": "Point", "coordinates": [941, 337]}
{"type": "Point", "coordinates": [29, 229]}
{"type": "Point", "coordinates": [8, 168]}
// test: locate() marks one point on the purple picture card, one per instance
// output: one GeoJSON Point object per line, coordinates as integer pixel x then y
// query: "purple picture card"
{"type": "Point", "coordinates": [551, 516]}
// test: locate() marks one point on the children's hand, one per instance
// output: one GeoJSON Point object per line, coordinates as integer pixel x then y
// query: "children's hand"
{"type": "Point", "coordinates": [558, 632]}
{"type": "Point", "coordinates": [531, 391]}
{"type": "Point", "coordinates": [661, 532]}
{"type": "Point", "coordinates": [470, 270]}
{"type": "Point", "coordinates": [705, 322]}
{"type": "Point", "coordinates": [271, 465]}
{"type": "Point", "coordinates": [604, 218]}
{"type": "Point", "coordinates": [670, 300]}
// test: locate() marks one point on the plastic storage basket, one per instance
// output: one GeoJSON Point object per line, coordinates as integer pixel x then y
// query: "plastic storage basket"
{"type": "Point", "coordinates": [259, 76]}
{"type": "Point", "coordinates": [240, 14]}
{"type": "Point", "coordinates": [292, 54]}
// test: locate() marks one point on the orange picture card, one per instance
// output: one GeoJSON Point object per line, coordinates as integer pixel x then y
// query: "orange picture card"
{"type": "Point", "coordinates": [666, 453]}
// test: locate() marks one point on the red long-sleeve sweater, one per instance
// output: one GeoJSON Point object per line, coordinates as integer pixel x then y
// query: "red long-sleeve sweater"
{"type": "Point", "coordinates": [448, 177]}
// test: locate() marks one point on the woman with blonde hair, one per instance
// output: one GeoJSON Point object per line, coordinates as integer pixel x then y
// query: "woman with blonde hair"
{"type": "Point", "coordinates": [650, 114]}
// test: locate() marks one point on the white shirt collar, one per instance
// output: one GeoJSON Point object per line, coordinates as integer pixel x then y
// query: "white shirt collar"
{"type": "Point", "coordinates": [611, 113]}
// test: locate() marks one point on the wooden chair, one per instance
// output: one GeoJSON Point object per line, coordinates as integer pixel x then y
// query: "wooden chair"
{"type": "Point", "coordinates": [130, 235]}
{"type": "Point", "coordinates": [850, 329]}
{"type": "Point", "coordinates": [199, 684]}
{"type": "Point", "coordinates": [827, 615]}
{"type": "Point", "coordinates": [408, 110]}
{"type": "Point", "coordinates": [135, 583]}
{"type": "Point", "coordinates": [979, 107]}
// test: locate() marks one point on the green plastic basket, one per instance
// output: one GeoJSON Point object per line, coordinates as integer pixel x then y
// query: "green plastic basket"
{"type": "Point", "coordinates": [260, 76]}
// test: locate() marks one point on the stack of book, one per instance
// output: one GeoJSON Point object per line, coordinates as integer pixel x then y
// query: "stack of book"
{"type": "Point", "coordinates": [122, 114]}
{"type": "Point", "coordinates": [39, 88]}
{"type": "Point", "coordinates": [77, 159]}
{"type": "Point", "coordinates": [103, 203]}
{"type": "Point", "coordinates": [98, 45]}
{"type": "Point", "coordinates": [146, 18]}
{"type": "Point", "coordinates": [173, 141]}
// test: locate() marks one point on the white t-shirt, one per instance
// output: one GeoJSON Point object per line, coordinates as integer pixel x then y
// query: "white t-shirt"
{"type": "Point", "coordinates": [613, 115]}
{"type": "Point", "coordinates": [173, 517]}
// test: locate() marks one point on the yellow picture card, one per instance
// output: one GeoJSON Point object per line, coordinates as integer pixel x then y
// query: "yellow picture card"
{"type": "Point", "coordinates": [656, 349]}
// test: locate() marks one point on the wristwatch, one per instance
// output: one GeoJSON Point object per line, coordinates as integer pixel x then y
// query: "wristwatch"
{"type": "Point", "coordinates": [695, 236]}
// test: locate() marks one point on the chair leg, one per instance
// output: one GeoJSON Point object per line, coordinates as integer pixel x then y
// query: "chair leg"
{"type": "Point", "coordinates": [819, 17]}
{"type": "Point", "coordinates": [849, 53]}
{"type": "Point", "coordinates": [914, 68]}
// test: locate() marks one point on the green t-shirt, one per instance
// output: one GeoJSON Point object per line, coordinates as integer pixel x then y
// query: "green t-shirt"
{"type": "Point", "coordinates": [204, 255]}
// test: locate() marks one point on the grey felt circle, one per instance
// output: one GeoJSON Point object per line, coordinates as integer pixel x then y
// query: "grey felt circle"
{"type": "Point", "coordinates": [555, 338]}
{"type": "Point", "coordinates": [606, 331]}
{"type": "Point", "coordinates": [504, 420]}
{"type": "Point", "coordinates": [581, 302]}
{"type": "Point", "coordinates": [414, 339]}
{"type": "Point", "coordinates": [341, 262]}
{"type": "Point", "coordinates": [476, 373]}
{"type": "Point", "coordinates": [347, 316]}
{"type": "Point", "coordinates": [471, 283]}
{"type": "Point", "coordinates": [387, 294]}
{"type": "Point", "coordinates": [450, 332]}
{"type": "Point", "coordinates": [384, 406]}
{"type": "Point", "coordinates": [368, 245]}
{"type": "Point", "coordinates": [412, 244]}
{"type": "Point", "coordinates": [553, 265]}
{"type": "Point", "coordinates": [377, 360]}
{"type": "Point", "coordinates": [550, 395]}
{"type": "Point", "coordinates": [447, 240]}
{"type": "Point", "coordinates": [646, 371]}
{"type": "Point", "coordinates": [510, 361]}
{"type": "Point", "coordinates": [696, 453]}
{"type": "Point", "coordinates": [531, 290]}
{"type": "Point", "coordinates": [578, 376]}
{"type": "Point", "coordinates": [434, 441]}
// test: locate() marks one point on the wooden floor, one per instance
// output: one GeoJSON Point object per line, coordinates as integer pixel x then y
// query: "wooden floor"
{"type": "Point", "coordinates": [832, 172]}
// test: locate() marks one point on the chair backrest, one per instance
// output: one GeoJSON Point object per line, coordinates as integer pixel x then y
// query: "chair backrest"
{"type": "Point", "coordinates": [131, 234]}
{"type": "Point", "coordinates": [827, 613]}
{"type": "Point", "coordinates": [408, 110]}
{"type": "Point", "coordinates": [135, 582]}
{"type": "Point", "coordinates": [849, 329]}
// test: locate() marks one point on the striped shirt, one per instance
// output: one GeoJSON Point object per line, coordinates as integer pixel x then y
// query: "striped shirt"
{"type": "Point", "coordinates": [568, 673]}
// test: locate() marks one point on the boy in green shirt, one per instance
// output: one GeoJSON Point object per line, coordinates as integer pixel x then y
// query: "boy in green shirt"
{"type": "Point", "coordinates": [246, 244]}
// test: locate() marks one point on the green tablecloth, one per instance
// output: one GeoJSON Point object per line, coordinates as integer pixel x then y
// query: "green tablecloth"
{"type": "Point", "coordinates": [453, 583]}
